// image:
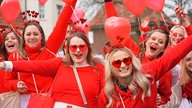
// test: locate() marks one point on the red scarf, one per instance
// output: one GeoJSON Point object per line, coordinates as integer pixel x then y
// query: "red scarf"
{"type": "Point", "coordinates": [33, 52]}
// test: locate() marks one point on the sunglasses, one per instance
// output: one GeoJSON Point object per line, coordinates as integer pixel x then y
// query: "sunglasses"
{"type": "Point", "coordinates": [117, 63]}
{"type": "Point", "coordinates": [81, 47]}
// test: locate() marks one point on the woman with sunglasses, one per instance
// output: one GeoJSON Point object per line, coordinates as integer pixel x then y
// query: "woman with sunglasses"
{"type": "Point", "coordinates": [35, 47]}
{"type": "Point", "coordinates": [65, 88]}
{"type": "Point", "coordinates": [152, 48]}
{"type": "Point", "coordinates": [130, 84]}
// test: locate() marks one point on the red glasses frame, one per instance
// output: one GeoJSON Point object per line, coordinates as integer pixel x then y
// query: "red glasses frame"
{"type": "Point", "coordinates": [81, 47]}
{"type": "Point", "coordinates": [117, 63]}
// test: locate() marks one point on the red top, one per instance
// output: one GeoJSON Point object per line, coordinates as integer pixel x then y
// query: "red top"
{"type": "Point", "coordinates": [65, 88]}
{"type": "Point", "coordinates": [163, 85]}
{"type": "Point", "coordinates": [53, 44]}
{"type": "Point", "coordinates": [156, 68]}
{"type": "Point", "coordinates": [187, 89]}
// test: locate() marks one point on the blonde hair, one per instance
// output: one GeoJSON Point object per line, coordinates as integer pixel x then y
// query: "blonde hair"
{"type": "Point", "coordinates": [181, 27]}
{"type": "Point", "coordinates": [138, 79]}
{"type": "Point", "coordinates": [185, 74]}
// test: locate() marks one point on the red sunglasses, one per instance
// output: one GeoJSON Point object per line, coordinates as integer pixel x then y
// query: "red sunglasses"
{"type": "Point", "coordinates": [117, 63]}
{"type": "Point", "coordinates": [81, 47]}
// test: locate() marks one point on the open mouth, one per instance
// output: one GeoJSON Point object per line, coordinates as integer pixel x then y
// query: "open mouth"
{"type": "Point", "coordinates": [78, 56]}
{"type": "Point", "coordinates": [153, 48]}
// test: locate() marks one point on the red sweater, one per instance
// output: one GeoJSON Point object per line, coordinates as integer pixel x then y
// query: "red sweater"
{"type": "Point", "coordinates": [53, 43]}
{"type": "Point", "coordinates": [157, 68]}
{"type": "Point", "coordinates": [164, 84]}
{"type": "Point", "coordinates": [65, 88]}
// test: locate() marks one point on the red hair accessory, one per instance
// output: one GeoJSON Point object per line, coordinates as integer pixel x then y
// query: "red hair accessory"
{"type": "Point", "coordinates": [108, 47]}
{"type": "Point", "coordinates": [164, 28]}
{"type": "Point", "coordinates": [31, 14]}
{"type": "Point", "coordinates": [79, 26]}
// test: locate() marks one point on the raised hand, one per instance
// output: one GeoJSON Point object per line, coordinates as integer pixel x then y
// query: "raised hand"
{"type": "Point", "coordinates": [181, 15]}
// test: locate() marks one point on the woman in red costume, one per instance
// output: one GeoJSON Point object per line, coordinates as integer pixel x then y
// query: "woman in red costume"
{"type": "Point", "coordinates": [34, 47]}
{"type": "Point", "coordinates": [65, 88]}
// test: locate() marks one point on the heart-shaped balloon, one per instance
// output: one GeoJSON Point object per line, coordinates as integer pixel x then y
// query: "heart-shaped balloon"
{"type": "Point", "coordinates": [136, 7]}
{"type": "Point", "coordinates": [10, 10]}
{"type": "Point", "coordinates": [156, 5]}
{"type": "Point", "coordinates": [77, 14]}
{"type": "Point", "coordinates": [117, 29]}
{"type": "Point", "coordinates": [67, 1]}
{"type": "Point", "coordinates": [42, 2]}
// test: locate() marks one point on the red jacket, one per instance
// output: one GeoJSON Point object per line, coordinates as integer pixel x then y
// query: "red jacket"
{"type": "Point", "coordinates": [53, 44]}
{"type": "Point", "coordinates": [65, 88]}
{"type": "Point", "coordinates": [156, 68]}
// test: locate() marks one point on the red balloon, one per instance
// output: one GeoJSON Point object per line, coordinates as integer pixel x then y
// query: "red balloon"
{"type": "Point", "coordinates": [156, 5]}
{"type": "Point", "coordinates": [67, 1]}
{"type": "Point", "coordinates": [117, 29]}
{"type": "Point", "coordinates": [136, 7]}
{"type": "Point", "coordinates": [42, 2]}
{"type": "Point", "coordinates": [77, 14]}
{"type": "Point", "coordinates": [10, 10]}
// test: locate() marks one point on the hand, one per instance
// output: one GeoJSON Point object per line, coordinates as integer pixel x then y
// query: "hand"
{"type": "Point", "coordinates": [181, 15]}
{"type": "Point", "coordinates": [21, 87]}
{"type": "Point", "coordinates": [2, 65]}
{"type": "Point", "coordinates": [145, 22]}
{"type": "Point", "coordinates": [158, 99]}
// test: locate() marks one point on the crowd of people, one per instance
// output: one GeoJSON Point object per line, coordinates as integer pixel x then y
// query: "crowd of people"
{"type": "Point", "coordinates": [156, 73]}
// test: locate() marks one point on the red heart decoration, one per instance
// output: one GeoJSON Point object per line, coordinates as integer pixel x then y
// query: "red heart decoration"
{"type": "Point", "coordinates": [117, 29]}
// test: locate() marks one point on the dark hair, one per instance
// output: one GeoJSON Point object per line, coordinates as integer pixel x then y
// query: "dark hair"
{"type": "Point", "coordinates": [3, 49]}
{"type": "Point", "coordinates": [68, 60]}
{"type": "Point", "coordinates": [143, 45]}
{"type": "Point", "coordinates": [23, 40]}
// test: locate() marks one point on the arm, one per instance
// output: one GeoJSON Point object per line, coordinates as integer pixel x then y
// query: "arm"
{"type": "Point", "coordinates": [157, 68]}
{"type": "Point", "coordinates": [110, 8]}
{"type": "Point", "coordinates": [44, 67]}
{"type": "Point", "coordinates": [59, 32]}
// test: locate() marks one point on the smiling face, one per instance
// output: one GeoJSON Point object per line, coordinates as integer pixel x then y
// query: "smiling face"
{"type": "Point", "coordinates": [32, 36]}
{"type": "Point", "coordinates": [176, 35]}
{"type": "Point", "coordinates": [78, 50]}
{"type": "Point", "coordinates": [155, 44]}
{"type": "Point", "coordinates": [11, 42]}
{"type": "Point", "coordinates": [125, 69]}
